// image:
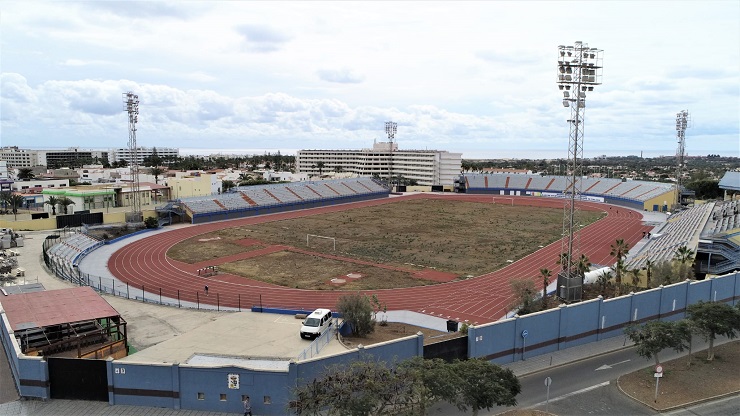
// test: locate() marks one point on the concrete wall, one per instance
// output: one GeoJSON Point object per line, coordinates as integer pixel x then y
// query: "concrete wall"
{"type": "Point", "coordinates": [31, 374]}
{"type": "Point", "coordinates": [51, 223]}
{"type": "Point", "coordinates": [207, 388]}
{"type": "Point", "coordinates": [589, 321]}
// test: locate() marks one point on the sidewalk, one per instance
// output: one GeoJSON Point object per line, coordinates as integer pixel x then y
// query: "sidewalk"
{"type": "Point", "coordinates": [543, 362]}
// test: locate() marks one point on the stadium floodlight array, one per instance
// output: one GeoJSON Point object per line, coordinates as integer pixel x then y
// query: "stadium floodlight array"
{"type": "Point", "coordinates": [682, 123]}
{"type": "Point", "coordinates": [579, 71]}
{"type": "Point", "coordinates": [131, 106]}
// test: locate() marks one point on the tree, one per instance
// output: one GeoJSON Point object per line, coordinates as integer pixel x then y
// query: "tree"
{"type": "Point", "coordinates": [53, 202]}
{"type": "Point", "coordinates": [15, 202]}
{"type": "Point", "coordinates": [25, 173]}
{"type": "Point", "coordinates": [714, 318]}
{"type": "Point", "coordinates": [655, 336]}
{"type": "Point", "coordinates": [684, 254]}
{"type": "Point", "coordinates": [157, 172]}
{"type": "Point", "coordinates": [619, 250]}
{"type": "Point", "coordinates": [485, 385]}
{"type": "Point", "coordinates": [546, 274]}
{"type": "Point", "coordinates": [5, 200]}
{"type": "Point", "coordinates": [374, 388]}
{"type": "Point", "coordinates": [648, 273]}
{"type": "Point", "coordinates": [524, 296]}
{"type": "Point", "coordinates": [603, 281]}
{"type": "Point", "coordinates": [227, 184]}
{"type": "Point", "coordinates": [357, 311]}
{"type": "Point", "coordinates": [320, 165]}
{"type": "Point", "coordinates": [635, 277]}
{"type": "Point", "coordinates": [583, 265]}
{"type": "Point", "coordinates": [65, 202]}
{"type": "Point", "coordinates": [151, 222]}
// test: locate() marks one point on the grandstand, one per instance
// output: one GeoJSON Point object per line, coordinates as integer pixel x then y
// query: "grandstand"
{"type": "Point", "coordinates": [642, 195]}
{"type": "Point", "coordinates": [719, 249]}
{"type": "Point", "coordinates": [681, 229]}
{"type": "Point", "coordinates": [256, 200]}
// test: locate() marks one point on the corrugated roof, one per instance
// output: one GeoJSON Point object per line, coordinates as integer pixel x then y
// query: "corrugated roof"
{"type": "Point", "coordinates": [53, 307]}
{"type": "Point", "coordinates": [730, 181]}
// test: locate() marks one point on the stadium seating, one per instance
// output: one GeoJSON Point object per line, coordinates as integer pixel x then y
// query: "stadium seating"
{"type": "Point", "coordinates": [278, 194]}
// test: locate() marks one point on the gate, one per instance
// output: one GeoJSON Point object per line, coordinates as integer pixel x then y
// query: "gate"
{"type": "Point", "coordinates": [78, 379]}
{"type": "Point", "coordinates": [449, 350]}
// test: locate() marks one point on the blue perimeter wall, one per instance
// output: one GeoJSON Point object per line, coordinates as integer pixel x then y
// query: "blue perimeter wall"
{"type": "Point", "coordinates": [177, 386]}
{"type": "Point", "coordinates": [581, 323]}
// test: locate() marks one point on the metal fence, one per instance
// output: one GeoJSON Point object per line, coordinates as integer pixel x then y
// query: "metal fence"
{"type": "Point", "coordinates": [319, 343]}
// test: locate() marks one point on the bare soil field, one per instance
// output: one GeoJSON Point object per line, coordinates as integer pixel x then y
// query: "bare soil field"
{"type": "Point", "coordinates": [395, 330]}
{"type": "Point", "coordinates": [464, 238]}
{"type": "Point", "coordinates": [682, 384]}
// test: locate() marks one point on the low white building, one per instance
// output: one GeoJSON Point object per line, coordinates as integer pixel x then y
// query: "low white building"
{"type": "Point", "coordinates": [427, 167]}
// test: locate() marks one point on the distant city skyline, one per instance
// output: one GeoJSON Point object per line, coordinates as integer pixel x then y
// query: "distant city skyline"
{"type": "Point", "coordinates": [470, 77]}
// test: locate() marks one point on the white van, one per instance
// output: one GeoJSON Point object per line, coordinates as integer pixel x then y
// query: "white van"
{"type": "Point", "coordinates": [316, 323]}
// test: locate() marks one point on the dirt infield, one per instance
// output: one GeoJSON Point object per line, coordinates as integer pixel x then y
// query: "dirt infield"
{"type": "Point", "coordinates": [477, 300]}
{"type": "Point", "coordinates": [461, 238]}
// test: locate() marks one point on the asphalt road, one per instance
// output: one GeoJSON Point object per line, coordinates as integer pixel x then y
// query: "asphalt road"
{"type": "Point", "coordinates": [587, 387]}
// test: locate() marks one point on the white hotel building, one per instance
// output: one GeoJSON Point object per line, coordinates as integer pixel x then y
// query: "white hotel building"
{"type": "Point", "coordinates": [427, 167]}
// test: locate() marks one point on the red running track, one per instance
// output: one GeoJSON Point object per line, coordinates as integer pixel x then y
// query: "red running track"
{"type": "Point", "coordinates": [477, 300]}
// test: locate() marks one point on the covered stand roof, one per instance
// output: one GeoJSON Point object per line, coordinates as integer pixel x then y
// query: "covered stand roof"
{"type": "Point", "coordinates": [730, 181]}
{"type": "Point", "coordinates": [54, 307]}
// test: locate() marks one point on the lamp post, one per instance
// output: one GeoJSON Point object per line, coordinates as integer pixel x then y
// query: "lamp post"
{"type": "Point", "coordinates": [579, 71]}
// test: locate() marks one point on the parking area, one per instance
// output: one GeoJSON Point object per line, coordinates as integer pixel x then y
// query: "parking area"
{"type": "Point", "coordinates": [237, 334]}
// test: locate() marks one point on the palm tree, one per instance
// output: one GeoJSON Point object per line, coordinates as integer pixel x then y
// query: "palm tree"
{"type": "Point", "coordinates": [603, 280]}
{"type": "Point", "coordinates": [562, 259]}
{"type": "Point", "coordinates": [15, 202]}
{"type": "Point", "coordinates": [53, 201]}
{"type": "Point", "coordinates": [619, 250]}
{"type": "Point", "coordinates": [648, 273]}
{"type": "Point", "coordinates": [5, 199]}
{"type": "Point", "coordinates": [320, 165]}
{"type": "Point", "coordinates": [65, 203]}
{"type": "Point", "coordinates": [25, 173]}
{"type": "Point", "coordinates": [583, 265]}
{"type": "Point", "coordinates": [156, 171]}
{"type": "Point", "coordinates": [635, 277]}
{"type": "Point", "coordinates": [545, 273]}
{"type": "Point", "coordinates": [684, 255]}
{"type": "Point", "coordinates": [227, 184]}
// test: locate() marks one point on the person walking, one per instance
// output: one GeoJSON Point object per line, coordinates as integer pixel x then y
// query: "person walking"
{"type": "Point", "coordinates": [206, 290]}
{"type": "Point", "coordinates": [247, 406]}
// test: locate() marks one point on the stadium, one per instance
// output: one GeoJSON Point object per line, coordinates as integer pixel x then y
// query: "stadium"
{"type": "Point", "coordinates": [141, 267]}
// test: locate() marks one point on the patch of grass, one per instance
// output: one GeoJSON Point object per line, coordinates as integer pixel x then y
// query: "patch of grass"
{"type": "Point", "coordinates": [464, 238]}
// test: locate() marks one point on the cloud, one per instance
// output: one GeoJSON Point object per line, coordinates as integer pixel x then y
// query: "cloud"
{"type": "Point", "coordinates": [141, 9]}
{"type": "Point", "coordinates": [261, 38]}
{"type": "Point", "coordinates": [342, 76]}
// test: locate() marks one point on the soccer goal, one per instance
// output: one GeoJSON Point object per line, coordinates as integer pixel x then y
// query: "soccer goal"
{"type": "Point", "coordinates": [498, 198]}
{"type": "Point", "coordinates": [333, 240]}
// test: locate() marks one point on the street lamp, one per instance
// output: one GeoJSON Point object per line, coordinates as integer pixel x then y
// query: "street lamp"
{"type": "Point", "coordinates": [579, 71]}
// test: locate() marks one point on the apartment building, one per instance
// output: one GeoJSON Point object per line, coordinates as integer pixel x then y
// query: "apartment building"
{"type": "Point", "coordinates": [427, 167]}
{"type": "Point", "coordinates": [121, 154]}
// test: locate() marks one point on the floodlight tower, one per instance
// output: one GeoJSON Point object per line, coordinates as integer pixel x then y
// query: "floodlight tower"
{"type": "Point", "coordinates": [390, 129]}
{"type": "Point", "coordinates": [131, 106]}
{"type": "Point", "coordinates": [579, 70]}
{"type": "Point", "coordinates": [682, 123]}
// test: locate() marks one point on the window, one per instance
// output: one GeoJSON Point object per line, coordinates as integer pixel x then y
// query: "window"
{"type": "Point", "coordinates": [222, 397]}
{"type": "Point", "coordinates": [267, 400]}
{"type": "Point", "coordinates": [201, 396]}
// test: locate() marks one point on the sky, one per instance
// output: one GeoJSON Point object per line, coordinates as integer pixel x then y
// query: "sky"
{"type": "Point", "coordinates": [477, 78]}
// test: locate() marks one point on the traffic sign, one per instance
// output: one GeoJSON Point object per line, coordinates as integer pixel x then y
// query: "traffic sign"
{"type": "Point", "coordinates": [658, 368]}
{"type": "Point", "coordinates": [525, 333]}
{"type": "Point", "coordinates": [548, 381]}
